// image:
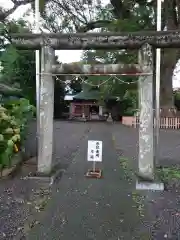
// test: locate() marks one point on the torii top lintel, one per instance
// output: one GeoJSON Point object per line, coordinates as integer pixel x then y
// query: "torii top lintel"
{"type": "Point", "coordinates": [86, 41]}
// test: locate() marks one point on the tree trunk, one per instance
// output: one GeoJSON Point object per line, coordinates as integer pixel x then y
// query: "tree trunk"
{"type": "Point", "coordinates": [168, 62]}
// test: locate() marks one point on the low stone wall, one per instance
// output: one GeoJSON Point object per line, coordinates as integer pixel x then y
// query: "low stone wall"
{"type": "Point", "coordinates": [128, 120]}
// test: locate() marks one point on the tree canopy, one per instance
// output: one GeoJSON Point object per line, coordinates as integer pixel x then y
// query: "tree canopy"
{"type": "Point", "coordinates": [117, 15]}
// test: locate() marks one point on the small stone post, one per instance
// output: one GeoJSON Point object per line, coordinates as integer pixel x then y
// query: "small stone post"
{"type": "Point", "coordinates": [100, 110]}
{"type": "Point", "coordinates": [46, 111]}
{"type": "Point", "coordinates": [109, 119]}
{"type": "Point", "coordinates": [146, 133]}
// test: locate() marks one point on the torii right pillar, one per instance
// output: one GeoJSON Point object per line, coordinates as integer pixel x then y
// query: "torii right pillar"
{"type": "Point", "coordinates": [146, 116]}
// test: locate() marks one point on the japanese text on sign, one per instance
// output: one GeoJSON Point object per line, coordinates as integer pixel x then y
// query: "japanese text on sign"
{"type": "Point", "coordinates": [94, 151]}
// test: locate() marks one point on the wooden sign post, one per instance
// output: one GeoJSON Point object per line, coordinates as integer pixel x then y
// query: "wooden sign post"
{"type": "Point", "coordinates": [94, 154]}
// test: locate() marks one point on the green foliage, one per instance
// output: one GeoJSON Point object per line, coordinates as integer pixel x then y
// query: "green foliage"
{"type": "Point", "coordinates": [59, 103]}
{"type": "Point", "coordinates": [119, 88]}
{"type": "Point", "coordinates": [18, 67]}
{"type": "Point", "coordinates": [9, 27]}
{"type": "Point", "coordinates": [76, 85]}
{"type": "Point", "coordinates": [177, 96]}
{"type": "Point", "coordinates": [110, 87]}
{"type": "Point", "coordinates": [167, 174]}
{"type": "Point", "coordinates": [19, 71]}
{"type": "Point", "coordinates": [131, 99]}
{"type": "Point", "coordinates": [14, 116]}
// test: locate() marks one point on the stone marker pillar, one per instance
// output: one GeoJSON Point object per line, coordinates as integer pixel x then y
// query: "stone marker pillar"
{"type": "Point", "coordinates": [100, 110]}
{"type": "Point", "coordinates": [46, 111]}
{"type": "Point", "coordinates": [146, 133]}
{"type": "Point", "coordinates": [109, 119]}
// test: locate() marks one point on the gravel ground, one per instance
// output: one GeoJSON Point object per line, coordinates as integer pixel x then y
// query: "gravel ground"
{"type": "Point", "coordinates": [67, 136]}
{"type": "Point", "coordinates": [21, 200]}
{"type": "Point", "coordinates": [87, 209]}
{"type": "Point", "coordinates": [162, 208]}
{"type": "Point", "coordinates": [80, 208]}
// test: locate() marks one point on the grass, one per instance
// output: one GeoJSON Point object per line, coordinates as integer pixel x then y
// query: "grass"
{"type": "Point", "coordinates": [129, 175]}
{"type": "Point", "coordinates": [128, 172]}
{"type": "Point", "coordinates": [167, 174]}
{"type": "Point", "coordinates": [164, 174]}
{"type": "Point", "coordinates": [124, 163]}
{"type": "Point", "coordinates": [139, 200]}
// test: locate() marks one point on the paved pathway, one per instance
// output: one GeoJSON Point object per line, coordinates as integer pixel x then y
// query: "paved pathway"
{"type": "Point", "coordinates": [162, 217]}
{"type": "Point", "coordinates": [88, 208]}
{"type": "Point", "coordinates": [107, 209]}
{"type": "Point", "coordinates": [20, 199]}
{"type": "Point", "coordinates": [169, 144]}
{"type": "Point", "coordinates": [110, 208]}
{"type": "Point", "coordinates": [67, 137]}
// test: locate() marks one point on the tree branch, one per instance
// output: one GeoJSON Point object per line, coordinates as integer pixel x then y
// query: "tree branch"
{"type": "Point", "coordinates": [7, 89]}
{"type": "Point", "coordinates": [5, 13]}
{"type": "Point", "coordinates": [120, 11]}
{"type": "Point", "coordinates": [92, 25]}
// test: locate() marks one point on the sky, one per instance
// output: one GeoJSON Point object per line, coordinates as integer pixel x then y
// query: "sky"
{"type": "Point", "coordinates": [65, 56]}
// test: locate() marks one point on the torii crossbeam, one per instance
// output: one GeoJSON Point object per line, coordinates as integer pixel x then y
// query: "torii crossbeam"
{"type": "Point", "coordinates": [86, 41]}
{"type": "Point", "coordinates": [145, 41]}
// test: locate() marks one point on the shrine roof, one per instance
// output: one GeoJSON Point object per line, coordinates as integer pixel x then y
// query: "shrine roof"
{"type": "Point", "coordinates": [88, 95]}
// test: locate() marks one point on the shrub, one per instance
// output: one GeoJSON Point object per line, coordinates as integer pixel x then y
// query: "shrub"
{"type": "Point", "coordinates": [14, 116]}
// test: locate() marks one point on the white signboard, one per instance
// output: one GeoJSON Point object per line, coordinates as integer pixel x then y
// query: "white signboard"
{"type": "Point", "coordinates": [94, 151]}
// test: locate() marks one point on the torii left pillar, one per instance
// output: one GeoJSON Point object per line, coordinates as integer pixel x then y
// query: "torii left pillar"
{"type": "Point", "coordinates": [146, 117]}
{"type": "Point", "coordinates": [45, 145]}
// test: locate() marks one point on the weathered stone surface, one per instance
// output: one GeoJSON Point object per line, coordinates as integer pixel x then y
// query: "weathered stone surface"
{"type": "Point", "coordinates": [146, 132]}
{"type": "Point", "coordinates": [45, 144]}
{"type": "Point", "coordinates": [85, 41]}
{"type": "Point", "coordinates": [77, 68]}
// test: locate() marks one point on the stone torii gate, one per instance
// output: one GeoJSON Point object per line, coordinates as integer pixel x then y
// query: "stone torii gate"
{"type": "Point", "coordinates": [144, 41]}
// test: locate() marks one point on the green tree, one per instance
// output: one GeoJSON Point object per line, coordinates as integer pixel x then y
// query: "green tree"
{"type": "Point", "coordinates": [18, 66]}
{"type": "Point", "coordinates": [76, 85]}
{"type": "Point", "coordinates": [59, 93]}
{"type": "Point", "coordinates": [110, 85]}
{"type": "Point", "coordinates": [119, 15]}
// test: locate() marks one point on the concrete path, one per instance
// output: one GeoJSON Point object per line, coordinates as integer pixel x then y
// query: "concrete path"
{"type": "Point", "coordinates": [20, 199]}
{"type": "Point", "coordinates": [84, 209]}
{"type": "Point", "coordinates": [161, 209]}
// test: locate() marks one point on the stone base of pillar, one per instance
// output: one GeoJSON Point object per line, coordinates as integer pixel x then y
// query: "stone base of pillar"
{"type": "Point", "coordinates": [143, 177]}
{"type": "Point", "coordinates": [47, 179]}
{"type": "Point", "coordinates": [109, 119]}
{"type": "Point", "coordinates": [155, 186]}
{"type": "Point", "coordinates": [83, 117]}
